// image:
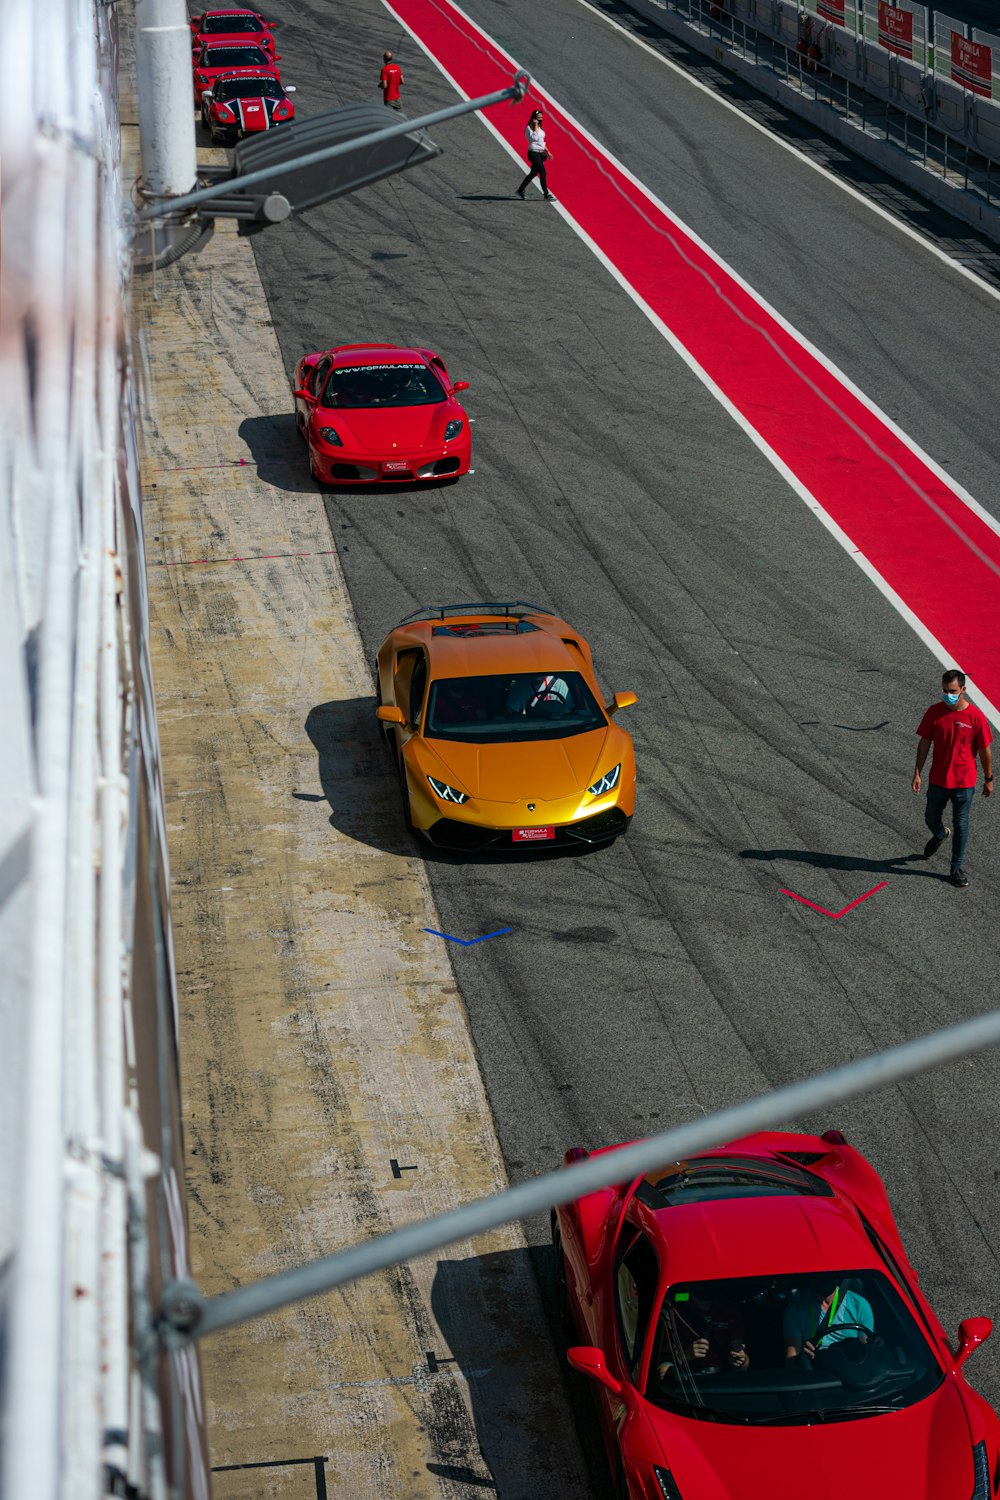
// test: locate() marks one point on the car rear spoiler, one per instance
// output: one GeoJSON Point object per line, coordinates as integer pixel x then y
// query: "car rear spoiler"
{"type": "Point", "coordinates": [510, 609]}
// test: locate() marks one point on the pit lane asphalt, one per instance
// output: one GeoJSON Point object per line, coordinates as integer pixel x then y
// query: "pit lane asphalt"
{"type": "Point", "coordinates": [778, 691]}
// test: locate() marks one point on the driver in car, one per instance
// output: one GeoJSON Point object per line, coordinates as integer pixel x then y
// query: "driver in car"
{"type": "Point", "coordinates": [710, 1331]}
{"type": "Point", "coordinates": [823, 1313]}
{"type": "Point", "coordinates": [547, 695]}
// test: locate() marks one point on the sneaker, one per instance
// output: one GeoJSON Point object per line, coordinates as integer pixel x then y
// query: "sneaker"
{"type": "Point", "coordinates": [520, 194]}
{"type": "Point", "coordinates": [549, 197]}
{"type": "Point", "coordinates": [959, 878]}
{"type": "Point", "coordinates": [933, 845]}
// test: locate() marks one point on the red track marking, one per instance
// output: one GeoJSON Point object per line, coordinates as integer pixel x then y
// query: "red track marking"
{"type": "Point", "coordinates": [836, 915]}
{"type": "Point", "coordinates": [929, 547]}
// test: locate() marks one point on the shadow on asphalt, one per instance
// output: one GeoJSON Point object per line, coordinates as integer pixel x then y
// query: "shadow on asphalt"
{"type": "Point", "coordinates": [896, 866]}
{"type": "Point", "coordinates": [278, 452]}
{"type": "Point", "coordinates": [472, 1302]}
{"type": "Point", "coordinates": [359, 783]}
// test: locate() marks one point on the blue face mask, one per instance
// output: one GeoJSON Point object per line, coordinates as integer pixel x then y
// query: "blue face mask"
{"type": "Point", "coordinates": [951, 698]}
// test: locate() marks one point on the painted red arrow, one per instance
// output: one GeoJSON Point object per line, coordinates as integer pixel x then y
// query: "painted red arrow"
{"type": "Point", "coordinates": [836, 915]}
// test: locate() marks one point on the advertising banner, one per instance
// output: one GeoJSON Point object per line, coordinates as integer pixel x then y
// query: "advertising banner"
{"type": "Point", "coordinates": [895, 28]}
{"type": "Point", "coordinates": [972, 65]}
{"type": "Point", "coordinates": [832, 10]}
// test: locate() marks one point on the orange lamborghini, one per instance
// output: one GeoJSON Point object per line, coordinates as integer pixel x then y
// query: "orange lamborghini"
{"type": "Point", "coordinates": [499, 730]}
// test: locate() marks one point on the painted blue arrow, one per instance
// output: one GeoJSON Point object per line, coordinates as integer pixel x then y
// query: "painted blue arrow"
{"type": "Point", "coordinates": [468, 942]}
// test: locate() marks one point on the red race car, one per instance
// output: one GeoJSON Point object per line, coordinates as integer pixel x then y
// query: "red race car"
{"type": "Point", "coordinates": [244, 102]}
{"type": "Point", "coordinates": [212, 61]}
{"type": "Point", "coordinates": [214, 26]}
{"type": "Point", "coordinates": [380, 414]}
{"type": "Point", "coordinates": [755, 1332]}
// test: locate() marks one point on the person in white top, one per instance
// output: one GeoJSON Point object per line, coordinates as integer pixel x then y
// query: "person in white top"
{"type": "Point", "coordinates": [538, 155]}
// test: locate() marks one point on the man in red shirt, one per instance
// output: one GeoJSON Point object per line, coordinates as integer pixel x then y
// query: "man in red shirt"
{"type": "Point", "coordinates": [389, 81]}
{"type": "Point", "coordinates": [959, 732]}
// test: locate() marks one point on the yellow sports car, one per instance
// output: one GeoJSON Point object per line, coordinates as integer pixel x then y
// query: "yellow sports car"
{"type": "Point", "coordinates": [499, 731]}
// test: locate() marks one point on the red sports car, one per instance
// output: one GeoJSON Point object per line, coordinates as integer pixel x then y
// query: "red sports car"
{"type": "Point", "coordinates": [755, 1332]}
{"type": "Point", "coordinates": [213, 61]}
{"type": "Point", "coordinates": [380, 414]}
{"type": "Point", "coordinates": [244, 102]}
{"type": "Point", "coordinates": [214, 26]}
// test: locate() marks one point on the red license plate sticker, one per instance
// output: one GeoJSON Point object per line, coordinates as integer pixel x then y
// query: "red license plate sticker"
{"type": "Point", "coordinates": [529, 835]}
{"type": "Point", "coordinates": [395, 466]}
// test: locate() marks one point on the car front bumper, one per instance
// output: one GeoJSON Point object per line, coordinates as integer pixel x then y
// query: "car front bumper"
{"type": "Point", "coordinates": [344, 466]}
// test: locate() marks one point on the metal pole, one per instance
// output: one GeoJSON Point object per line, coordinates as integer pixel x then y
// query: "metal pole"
{"type": "Point", "coordinates": [164, 94]}
{"type": "Point", "coordinates": [185, 1313]}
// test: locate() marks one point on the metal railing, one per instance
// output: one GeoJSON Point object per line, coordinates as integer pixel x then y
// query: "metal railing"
{"type": "Point", "coordinates": [912, 129]}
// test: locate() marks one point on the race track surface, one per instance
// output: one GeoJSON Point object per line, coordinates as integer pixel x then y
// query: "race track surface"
{"type": "Point", "coordinates": [778, 690]}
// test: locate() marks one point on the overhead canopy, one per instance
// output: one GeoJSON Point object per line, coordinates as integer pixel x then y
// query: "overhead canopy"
{"type": "Point", "coordinates": [300, 187]}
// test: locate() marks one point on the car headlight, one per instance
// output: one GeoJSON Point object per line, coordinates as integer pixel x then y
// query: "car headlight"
{"type": "Point", "coordinates": [607, 783]}
{"type": "Point", "coordinates": [447, 793]}
{"type": "Point", "coordinates": [453, 429]}
{"type": "Point", "coordinates": [981, 1489]}
{"type": "Point", "coordinates": [201, 77]}
{"type": "Point", "coordinates": [332, 436]}
{"type": "Point", "coordinates": [667, 1483]}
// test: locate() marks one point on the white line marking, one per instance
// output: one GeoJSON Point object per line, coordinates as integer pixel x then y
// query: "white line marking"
{"type": "Point", "coordinates": [883, 213]}
{"type": "Point", "coordinates": [868, 568]}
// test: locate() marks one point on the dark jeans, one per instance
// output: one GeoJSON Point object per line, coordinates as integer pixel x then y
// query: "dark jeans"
{"type": "Point", "coordinates": [960, 798]}
{"type": "Point", "coordinates": [537, 160]}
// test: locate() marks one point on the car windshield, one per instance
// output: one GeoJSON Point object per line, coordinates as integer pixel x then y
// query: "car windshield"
{"type": "Point", "coordinates": [738, 1350]}
{"type": "Point", "coordinates": [233, 57]}
{"type": "Point", "coordinates": [230, 23]}
{"type": "Point", "coordinates": [248, 88]}
{"type": "Point", "coordinates": [505, 707]}
{"type": "Point", "coordinates": [382, 385]}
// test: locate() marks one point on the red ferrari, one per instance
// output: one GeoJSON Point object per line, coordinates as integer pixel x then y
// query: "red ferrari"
{"type": "Point", "coordinates": [243, 103]}
{"type": "Point", "coordinates": [214, 26]}
{"type": "Point", "coordinates": [755, 1331]}
{"type": "Point", "coordinates": [213, 61]}
{"type": "Point", "coordinates": [380, 414]}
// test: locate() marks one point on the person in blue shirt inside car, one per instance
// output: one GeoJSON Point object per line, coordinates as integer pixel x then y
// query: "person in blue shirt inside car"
{"type": "Point", "coordinates": [825, 1312]}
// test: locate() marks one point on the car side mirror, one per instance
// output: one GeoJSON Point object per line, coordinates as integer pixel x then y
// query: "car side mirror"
{"type": "Point", "coordinates": [390, 714]}
{"type": "Point", "coordinates": [590, 1361]}
{"type": "Point", "coordinates": [277, 57]}
{"type": "Point", "coordinates": [460, 385]}
{"type": "Point", "coordinates": [303, 395]}
{"type": "Point", "coordinates": [971, 1333]}
{"type": "Point", "coordinates": [623, 700]}
{"type": "Point", "coordinates": [206, 93]}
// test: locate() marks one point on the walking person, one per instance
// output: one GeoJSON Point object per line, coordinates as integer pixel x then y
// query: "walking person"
{"type": "Point", "coordinates": [958, 731]}
{"type": "Point", "coordinates": [390, 80]}
{"type": "Point", "coordinates": [538, 155]}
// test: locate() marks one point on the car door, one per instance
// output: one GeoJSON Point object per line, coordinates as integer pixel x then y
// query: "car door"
{"type": "Point", "coordinates": [409, 683]}
{"type": "Point", "coordinates": [635, 1283]}
{"type": "Point", "coordinates": [313, 380]}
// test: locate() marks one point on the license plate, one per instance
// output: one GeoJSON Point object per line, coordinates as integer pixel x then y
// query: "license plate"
{"type": "Point", "coordinates": [394, 466]}
{"type": "Point", "coordinates": [529, 835]}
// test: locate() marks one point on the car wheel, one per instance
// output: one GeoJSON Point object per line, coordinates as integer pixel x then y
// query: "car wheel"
{"type": "Point", "coordinates": [562, 1286]}
{"type": "Point", "coordinates": [316, 477]}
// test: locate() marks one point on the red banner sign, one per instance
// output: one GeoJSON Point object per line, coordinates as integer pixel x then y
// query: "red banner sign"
{"type": "Point", "coordinates": [895, 28]}
{"type": "Point", "coordinates": [972, 65]}
{"type": "Point", "coordinates": [832, 10]}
